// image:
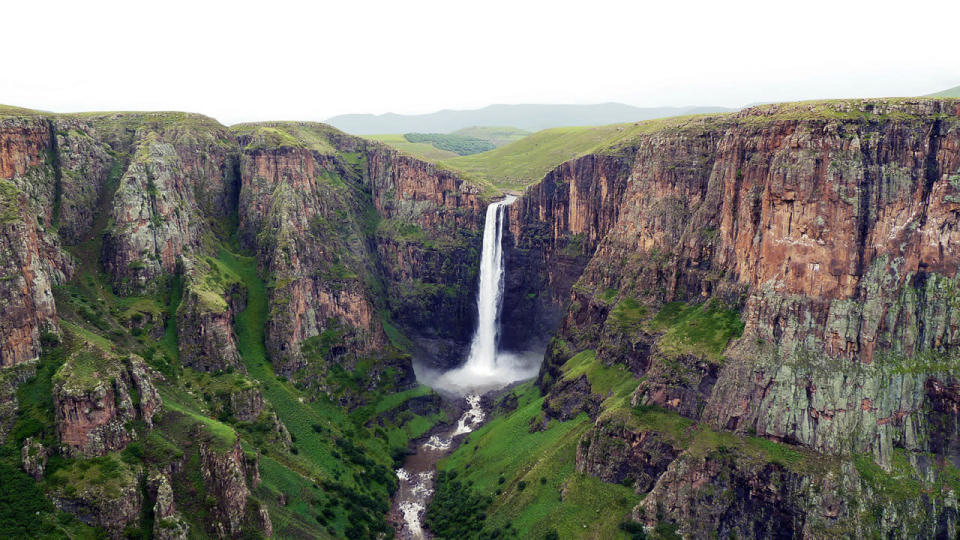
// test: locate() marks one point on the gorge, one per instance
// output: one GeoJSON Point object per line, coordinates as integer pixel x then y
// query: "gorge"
{"type": "Point", "coordinates": [733, 325]}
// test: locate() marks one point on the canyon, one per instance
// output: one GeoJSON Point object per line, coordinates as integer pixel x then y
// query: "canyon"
{"type": "Point", "coordinates": [747, 323]}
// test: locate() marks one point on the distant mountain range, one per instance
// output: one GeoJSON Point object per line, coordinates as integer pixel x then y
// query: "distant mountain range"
{"type": "Point", "coordinates": [527, 117]}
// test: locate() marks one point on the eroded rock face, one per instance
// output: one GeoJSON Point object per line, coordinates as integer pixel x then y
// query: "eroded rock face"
{"type": "Point", "coordinates": [297, 209]}
{"type": "Point", "coordinates": [181, 171]}
{"type": "Point", "coordinates": [570, 398]}
{"type": "Point", "coordinates": [831, 231]}
{"type": "Point", "coordinates": [205, 318]}
{"type": "Point", "coordinates": [26, 297]}
{"type": "Point", "coordinates": [247, 404]}
{"type": "Point", "coordinates": [96, 395]}
{"type": "Point", "coordinates": [225, 480]}
{"type": "Point", "coordinates": [618, 453]}
{"type": "Point", "coordinates": [167, 524]}
{"type": "Point", "coordinates": [836, 237]}
{"type": "Point", "coordinates": [730, 494]}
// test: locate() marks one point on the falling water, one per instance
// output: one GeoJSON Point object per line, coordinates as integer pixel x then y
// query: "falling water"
{"type": "Point", "coordinates": [483, 350]}
{"type": "Point", "coordinates": [486, 368]}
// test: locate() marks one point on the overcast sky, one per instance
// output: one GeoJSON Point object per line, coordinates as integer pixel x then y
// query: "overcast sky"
{"type": "Point", "coordinates": [286, 60]}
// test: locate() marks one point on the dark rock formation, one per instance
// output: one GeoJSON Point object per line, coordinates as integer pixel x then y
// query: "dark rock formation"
{"type": "Point", "coordinates": [96, 395]}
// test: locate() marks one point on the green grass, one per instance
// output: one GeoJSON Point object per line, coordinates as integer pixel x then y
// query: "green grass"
{"type": "Point", "coordinates": [527, 160]}
{"type": "Point", "coordinates": [497, 135]}
{"type": "Point", "coordinates": [697, 329]}
{"type": "Point", "coordinates": [419, 150]}
{"type": "Point", "coordinates": [627, 315]}
{"type": "Point", "coordinates": [614, 383]}
{"type": "Point", "coordinates": [948, 93]}
{"type": "Point", "coordinates": [505, 447]}
{"type": "Point", "coordinates": [265, 135]}
{"type": "Point", "coordinates": [224, 436]}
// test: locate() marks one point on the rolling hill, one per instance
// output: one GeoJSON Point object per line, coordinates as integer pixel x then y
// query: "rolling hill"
{"type": "Point", "coordinates": [949, 92]}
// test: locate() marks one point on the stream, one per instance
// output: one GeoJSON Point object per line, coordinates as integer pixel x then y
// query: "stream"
{"type": "Point", "coordinates": [416, 477]}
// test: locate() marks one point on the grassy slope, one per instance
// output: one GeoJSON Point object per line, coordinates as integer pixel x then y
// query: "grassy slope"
{"type": "Point", "coordinates": [425, 151]}
{"type": "Point", "coordinates": [948, 93]}
{"type": "Point", "coordinates": [521, 163]}
{"type": "Point", "coordinates": [498, 135]}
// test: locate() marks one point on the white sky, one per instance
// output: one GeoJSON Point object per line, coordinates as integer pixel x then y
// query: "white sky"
{"type": "Point", "coordinates": [239, 61]}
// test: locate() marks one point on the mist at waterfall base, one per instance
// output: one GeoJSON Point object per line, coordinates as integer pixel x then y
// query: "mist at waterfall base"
{"type": "Point", "coordinates": [487, 368]}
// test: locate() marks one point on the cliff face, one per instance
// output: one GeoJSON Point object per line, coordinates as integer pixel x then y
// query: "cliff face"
{"type": "Point", "coordinates": [829, 230]}
{"type": "Point", "coordinates": [96, 397]}
{"type": "Point", "coordinates": [338, 222]}
{"type": "Point", "coordinates": [551, 233]}
{"type": "Point", "coordinates": [428, 245]}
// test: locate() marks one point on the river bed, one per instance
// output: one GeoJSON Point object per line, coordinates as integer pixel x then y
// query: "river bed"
{"type": "Point", "coordinates": [417, 475]}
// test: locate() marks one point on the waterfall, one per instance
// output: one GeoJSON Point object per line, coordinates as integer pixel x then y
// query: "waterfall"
{"type": "Point", "coordinates": [486, 368]}
{"type": "Point", "coordinates": [483, 349]}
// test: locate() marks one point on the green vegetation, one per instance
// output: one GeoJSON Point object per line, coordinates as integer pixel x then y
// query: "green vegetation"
{"type": "Point", "coordinates": [265, 135]}
{"type": "Point", "coordinates": [527, 160]}
{"type": "Point", "coordinates": [541, 462]}
{"type": "Point", "coordinates": [108, 476]}
{"type": "Point", "coordinates": [420, 150]}
{"type": "Point", "coordinates": [9, 202]}
{"type": "Point", "coordinates": [497, 135]}
{"type": "Point", "coordinates": [613, 382]}
{"type": "Point", "coordinates": [458, 144]}
{"type": "Point", "coordinates": [627, 315]}
{"type": "Point", "coordinates": [948, 93]}
{"type": "Point", "coordinates": [697, 329]}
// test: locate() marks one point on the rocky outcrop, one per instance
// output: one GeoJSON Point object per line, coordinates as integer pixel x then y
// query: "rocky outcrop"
{"type": "Point", "coordinates": [113, 500]}
{"type": "Point", "coordinates": [224, 478]}
{"type": "Point", "coordinates": [33, 458]}
{"type": "Point", "coordinates": [572, 396]}
{"type": "Point", "coordinates": [616, 451]}
{"type": "Point", "coordinates": [246, 404]}
{"type": "Point", "coordinates": [205, 319]}
{"type": "Point", "coordinates": [96, 395]}
{"type": "Point", "coordinates": [167, 523]}
{"type": "Point", "coordinates": [181, 171]}
{"type": "Point", "coordinates": [729, 494]}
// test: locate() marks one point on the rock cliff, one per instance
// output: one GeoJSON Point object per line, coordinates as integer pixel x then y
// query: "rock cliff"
{"type": "Point", "coordinates": [818, 239]}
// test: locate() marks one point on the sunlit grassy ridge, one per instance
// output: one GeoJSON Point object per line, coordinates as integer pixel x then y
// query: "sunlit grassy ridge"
{"type": "Point", "coordinates": [527, 160]}
{"type": "Point", "coordinates": [420, 150]}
